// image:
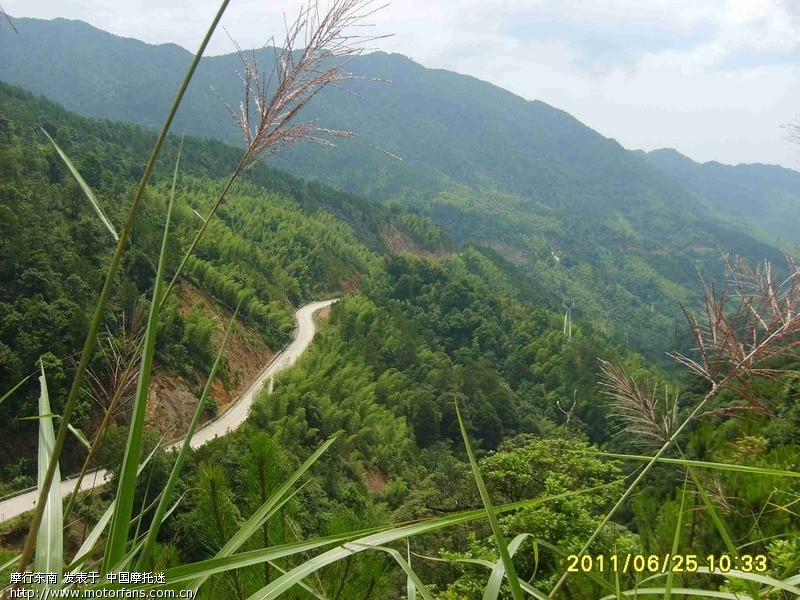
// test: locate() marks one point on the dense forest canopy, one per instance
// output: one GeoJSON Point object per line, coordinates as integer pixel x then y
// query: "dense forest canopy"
{"type": "Point", "coordinates": [619, 234]}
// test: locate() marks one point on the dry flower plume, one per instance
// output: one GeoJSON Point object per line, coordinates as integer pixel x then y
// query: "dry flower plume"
{"type": "Point", "coordinates": [734, 345]}
{"type": "Point", "coordinates": [267, 112]}
{"type": "Point", "coordinates": [647, 419]}
{"type": "Point", "coordinates": [740, 331]}
{"type": "Point", "coordinates": [743, 328]}
{"type": "Point", "coordinates": [315, 51]}
{"type": "Point", "coordinates": [111, 385]}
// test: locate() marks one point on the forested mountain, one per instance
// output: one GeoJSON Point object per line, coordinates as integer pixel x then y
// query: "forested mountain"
{"type": "Point", "coordinates": [436, 349]}
{"type": "Point", "coordinates": [277, 243]}
{"type": "Point", "coordinates": [416, 332]}
{"type": "Point", "coordinates": [767, 196]}
{"type": "Point", "coordinates": [583, 218]}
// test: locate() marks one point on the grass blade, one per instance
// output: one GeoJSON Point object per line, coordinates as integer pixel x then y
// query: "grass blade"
{"type": "Point", "coordinates": [9, 563]}
{"type": "Point", "coordinates": [416, 582]}
{"type": "Point", "coordinates": [303, 584]}
{"type": "Point", "coordinates": [14, 389]}
{"type": "Point", "coordinates": [720, 525]}
{"type": "Point", "coordinates": [163, 505]}
{"type": "Point", "coordinates": [80, 436]}
{"type": "Point", "coordinates": [526, 587]}
{"type": "Point", "coordinates": [126, 564]}
{"type": "Point", "coordinates": [50, 539]}
{"type": "Point", "coordinates": [701, 464]}
{"type": "Point", "coordinates": [120, 523]}
{"type": "Point", "coordinates": [266, 510]}
{"type": "Point", "coordinates": [492, 590]}
{"type": "Point", "coordinates": [84, 186]}
{"type": "Point", "coordinates": [754, 578]}
{"type": "Point", "coordinates": [505, 557]}
{"type": "Point", "coordinates": [182, 454]}
{"type": "Point", "coordinates": [94, 537]}
{"type": "Point", "coordinates": [365, 539]}
{"type": "Point", "coordinates": [675, 543]}
{"type": "Point", "coordinates": [99, 312]}
{"type": "Point", "coordinates": [686, 592]}
{"type": "Point", "coordinates": [411, 590]}
{"type": "Point", "coordinates": [387, 536]}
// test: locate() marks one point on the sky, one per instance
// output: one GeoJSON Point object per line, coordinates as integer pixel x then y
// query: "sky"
{"type": "Point", "coordinates": [714, 79]}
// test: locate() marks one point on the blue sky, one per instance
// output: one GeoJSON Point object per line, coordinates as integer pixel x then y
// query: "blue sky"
{"type": "Point", "coordinates": [714, 79]}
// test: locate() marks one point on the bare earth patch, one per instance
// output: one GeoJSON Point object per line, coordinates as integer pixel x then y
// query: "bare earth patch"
{"type": "Point", "coordinates": [172, 400]}
{"type": "Point", "coordinates": [375, 482]}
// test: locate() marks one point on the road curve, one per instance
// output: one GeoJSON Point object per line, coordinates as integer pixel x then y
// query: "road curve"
{"type": "Point", "coordinates": [234, 416]}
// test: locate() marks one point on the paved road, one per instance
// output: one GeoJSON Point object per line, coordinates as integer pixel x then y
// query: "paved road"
{"type": "Point", "coordinates": [234, 416]}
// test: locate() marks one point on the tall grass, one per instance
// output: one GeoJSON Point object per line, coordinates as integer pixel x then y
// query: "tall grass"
{"type": "Point", "coordinates": [94, 328]}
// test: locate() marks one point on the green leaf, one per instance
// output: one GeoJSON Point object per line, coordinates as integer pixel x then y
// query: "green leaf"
{"type": "Point", "coordinates": [80, 436]}
{"type": "Point", "coordinates": [788, 585]}
{"type": "Point", "coordinates": [526, 587]}
{"type": "Point", "coordinates": [10, 562]}
{"type": "Point", "coordinates": [756, 578]}
{"type": "Point", "coordinates": [791, 581]}
{"type": "Point", "coordinates": [411, 590]}
{"type": "Point", "coordinates": [214, 566]}
{"type": "Point", "coordinates": [410, 574]}
{"type": "Point", "coordinates": [161, 509]}
{"type": "Point", "coordinates": [39, 417]}
{"type": "Point", "coordinates": [389, 535]}
{"type": "Point", "coordinates": [14, 389]}
{"type": "Point", "coordinates": [505, 557]}
{"type": "Point", "coordinates": [492, 590]}
{"type": "Point", "coordinates": [675, 543]}
{"type": "Point", "coordinates": [127, 562]}
{"type": "Point", "coordinates": [364, 539]}
{"type": "Point", "coordinates": [93, 538]}
{"type": "Point", "coordinates": [126, 490]}
{"type": "Point", "coordinates": [701, 464]}
{"type": "Point", "coordinates": [686, 592]}
{"type": "Point", "coordinates": [49, 540]}
{"type": "Point", "coordinates": [84, 186]}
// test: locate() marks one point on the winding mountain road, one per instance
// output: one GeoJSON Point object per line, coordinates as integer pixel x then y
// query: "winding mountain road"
{"type": "Point", "coordinates": [227, 421]}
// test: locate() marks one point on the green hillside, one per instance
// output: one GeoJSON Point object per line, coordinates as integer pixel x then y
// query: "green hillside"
{"type": "Point", "coordinates": [277, 243]}
{"type": "Point", "coordinates": [764, 196]}
{"type": "Point", "coordinates": [582, 218]}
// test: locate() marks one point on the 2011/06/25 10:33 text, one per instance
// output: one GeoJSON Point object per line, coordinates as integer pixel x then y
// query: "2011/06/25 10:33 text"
{"type": "Point", "coordinates": [677, 563]}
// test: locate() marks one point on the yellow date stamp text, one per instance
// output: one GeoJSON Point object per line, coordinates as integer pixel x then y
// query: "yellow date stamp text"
{"type": "Point", "coordinates": [664, 563]}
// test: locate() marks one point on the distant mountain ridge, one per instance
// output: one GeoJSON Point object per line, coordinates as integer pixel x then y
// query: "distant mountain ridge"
{"type": "Point", "coordinates": [766, 195]}
{"type": "Point", "coordinates": [582, 216]}
{"type": "Point", "coordinates": [457, 125]}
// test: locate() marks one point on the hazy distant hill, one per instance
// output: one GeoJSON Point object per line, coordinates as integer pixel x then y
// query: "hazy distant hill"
{"type": "Point", "coordinates": [767, 195]}
{"type": "Point", "coordinates": [580, 215]}
{"type": "Point", "coordinates": [469, 130]}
